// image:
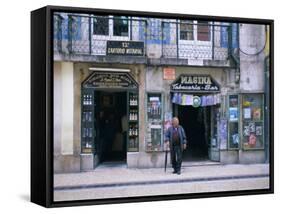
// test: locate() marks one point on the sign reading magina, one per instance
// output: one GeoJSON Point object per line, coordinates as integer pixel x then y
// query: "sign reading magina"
{"type": "Point", "coordinates": [197, 83]}
{"type": "Point", "coordinates": [128, 48]}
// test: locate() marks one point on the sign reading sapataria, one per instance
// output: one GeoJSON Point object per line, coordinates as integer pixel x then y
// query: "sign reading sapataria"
{"type": "Point", "coordinates": [128, 48]}
{"type": "Point", "coordinates": [195, 83]}
{"type": "Point", "coordinates": [110, 80]}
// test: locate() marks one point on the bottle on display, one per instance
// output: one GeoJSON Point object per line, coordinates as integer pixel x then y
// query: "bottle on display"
{"type": "Point", "coordinates": [133, 100]}
{"type": "Point", "coordinates": [136, 131]}
{"type": "Point", "coordinates": [90, 99]}
{"type": "Point", "coordinates": [84, 99]}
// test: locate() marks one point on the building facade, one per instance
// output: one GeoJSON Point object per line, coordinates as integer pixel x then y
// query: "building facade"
{"type": "Point", "coordinates": [119, 80]}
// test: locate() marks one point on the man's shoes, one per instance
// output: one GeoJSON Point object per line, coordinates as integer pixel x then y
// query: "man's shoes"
{"type": "Point", "coordinates": [175, 171]}
{"type": "Point", "coordinates": [178, 172]}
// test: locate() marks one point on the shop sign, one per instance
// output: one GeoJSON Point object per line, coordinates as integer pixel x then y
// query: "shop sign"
{"type": "Point", "coordinates": [195, 83]}
{"type": "Point", "coordinates": [110, 80]}
{"type": "Point", "coordinates": [125, 48]}
{"type": "Point", "coordinates": [169, 73]}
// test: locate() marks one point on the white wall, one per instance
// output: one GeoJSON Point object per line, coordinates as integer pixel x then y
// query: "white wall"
{"type": "Point", "coordinates": [63, 108]}
{"type": "Point", "coordinates": [252, 40]}
{"type": "Point", "coordinates": [67, 108]}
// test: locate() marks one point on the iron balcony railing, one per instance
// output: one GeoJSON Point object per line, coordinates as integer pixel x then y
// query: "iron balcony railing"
{"type": "Point", "coordinates": [88, 35]}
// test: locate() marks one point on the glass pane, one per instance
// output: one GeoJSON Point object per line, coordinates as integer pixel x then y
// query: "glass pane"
{"type": "Point", "coordinates": [233, 108]}
{"type": "Point", "coordinates": [215, 119]}
{"type": "Point", "coordinates": [87, 122]}
{"type": "Point", "coordinates": [253, 134]}
{"type": "Point", "coordinates": [203, 31]}
{"type": "Point", "coordinates": [120, 26]}
{"type": "Point", "coordinates": [252, 107]}
{"type": "Point", "coordinates": [101, 26]}
{"type": "Point", "coordinates": [233, 135]}
{"type": "Point", "coordinates": [154, 123]}
{"type": "Point", "coordinates": [133, 133]}
{"type": "Point", "coordinates": [186, 30]}
{"type": "Point", "coordinates": [154, 106]}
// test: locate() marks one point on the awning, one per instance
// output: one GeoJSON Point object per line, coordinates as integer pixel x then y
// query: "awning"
{"type": "Point", "coordinates": [189, 99]}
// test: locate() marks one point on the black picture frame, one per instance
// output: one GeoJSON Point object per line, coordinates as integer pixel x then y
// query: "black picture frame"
{"type": "Point", "coordinates": [42, 102]}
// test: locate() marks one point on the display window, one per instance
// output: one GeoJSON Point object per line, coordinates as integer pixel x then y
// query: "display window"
{"type": "Point", "coordinates": [133, 132]}
{"type": "Point", "coordinates": [252, 121]}
{"type": "Point", "coordinates": [154, 129]}
{"type": "Point", "coordinates": [233, 122]}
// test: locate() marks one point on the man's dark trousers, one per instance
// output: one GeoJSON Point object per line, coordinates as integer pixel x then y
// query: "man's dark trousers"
{"type": "Point", "coordinates": [176, 156]}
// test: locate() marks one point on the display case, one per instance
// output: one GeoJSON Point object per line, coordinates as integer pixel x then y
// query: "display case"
{"type": "Point", "coordinates": [87, 122]}
{"type": "Point", "coordinates": [252, 121]}
{"type": "Point", "coordinates": [133, 118]}
{"type": "Point", "coordinates": [233, 122]}
{"type": "Point", "coordinates": [154, 127]}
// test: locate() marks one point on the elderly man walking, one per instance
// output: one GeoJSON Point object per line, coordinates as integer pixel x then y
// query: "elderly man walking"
{"type": "Point", "coordinates": [175, 139]}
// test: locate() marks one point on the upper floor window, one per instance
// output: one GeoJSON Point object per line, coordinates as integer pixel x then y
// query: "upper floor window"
{"type": "Point", "coordinates": [186, 30]}
{"type": "Point", "coordinates": [195, 31]}
{"type": "Point", "coordinates": [101, 25]}
{"type": "Point", "coordinates": [111, 26]}
{"type": "Point", "coordinates": [203, 31]}
{"type": "Point", "coordinates": [120, 26]}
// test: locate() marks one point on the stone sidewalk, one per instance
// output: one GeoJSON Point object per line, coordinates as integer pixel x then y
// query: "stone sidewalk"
{"type": "Point", "coordinates": [118, 180]}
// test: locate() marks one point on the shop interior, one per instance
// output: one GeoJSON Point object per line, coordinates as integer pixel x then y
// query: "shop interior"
{"type": "Point", "coordinates": [196, 123]}
{"type": "Point", "coordinates": [110, 124]}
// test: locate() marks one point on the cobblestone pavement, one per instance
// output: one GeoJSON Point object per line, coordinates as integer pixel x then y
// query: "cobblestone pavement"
{"type": "Point", "coordinates": [113, 181]}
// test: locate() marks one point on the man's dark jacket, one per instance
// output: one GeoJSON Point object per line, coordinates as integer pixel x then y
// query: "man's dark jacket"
{"type": "Point", "coordinates": [181, 132]}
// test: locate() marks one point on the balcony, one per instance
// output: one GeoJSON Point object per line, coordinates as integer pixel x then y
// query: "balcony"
{"type": "Point", "coordinates": [179, 42]}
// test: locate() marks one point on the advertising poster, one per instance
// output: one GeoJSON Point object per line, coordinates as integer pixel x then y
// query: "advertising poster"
{"type": "Point", "coordinates": [247, 113]}
{"type": "Point", "coordinates": [167, 120]}
{"type": "Point", "coordinates": [233, 114]}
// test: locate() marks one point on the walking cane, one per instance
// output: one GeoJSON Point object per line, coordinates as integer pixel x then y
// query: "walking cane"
{"type": "Point", "coordinates": [166, 156]}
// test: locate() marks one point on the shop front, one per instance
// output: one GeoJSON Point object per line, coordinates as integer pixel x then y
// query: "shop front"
{"type": "Point", "coordinates": [109, 117]}
{"type": "Point", "coordinates": [194, 96]}
{"type": "Point", "coordinates": [119, 114]}
{"type": "Point", "coordinates": [196, 102]}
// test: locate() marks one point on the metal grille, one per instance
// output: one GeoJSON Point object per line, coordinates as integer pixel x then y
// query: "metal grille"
{"type": "Point", "coordinates": [88, 35]}
{"type": "Point", "coordinates": [195, 41]}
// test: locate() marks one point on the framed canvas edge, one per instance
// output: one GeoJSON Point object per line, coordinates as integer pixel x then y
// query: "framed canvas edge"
{"type": "Point", "coordinates": [49, 110]}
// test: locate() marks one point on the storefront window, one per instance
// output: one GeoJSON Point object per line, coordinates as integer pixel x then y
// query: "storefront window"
{"type": "Point", "coordinates": [233, 122]}
{"type": "Point", "coordinates": [252, 121]}
{"type": "Point", "coordinates": [154, 132]}
{"type": "Point", "coordinates": [133, 142]}
{"type": "Point", "coordinates": [87, 123]}
{"type": "Point", "coordinates": [215, 116]}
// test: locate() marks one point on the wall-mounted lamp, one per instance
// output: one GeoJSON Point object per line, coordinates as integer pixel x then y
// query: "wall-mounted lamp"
{"type": "Point", "coordinates": [237, 76]}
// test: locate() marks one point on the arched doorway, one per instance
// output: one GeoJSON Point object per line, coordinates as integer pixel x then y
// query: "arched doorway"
{"type": "Point", "coordinates": [106, 116]}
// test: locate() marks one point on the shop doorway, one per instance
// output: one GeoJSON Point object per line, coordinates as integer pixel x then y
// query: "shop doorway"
{"type": "Point", "coordinates": [109, 116]}
{"type": "Point", "coordinates": [111, 140]}
{"type": "Point", "coordinates": [196, 123]}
